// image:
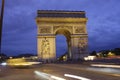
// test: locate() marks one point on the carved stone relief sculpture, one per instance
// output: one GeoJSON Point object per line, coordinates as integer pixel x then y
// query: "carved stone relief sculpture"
{"type": "Point", "coordinates": [45, 47]}
{"type": "Point", "coordinates": [79, 30]}
{"type": "Point", "coordinates": [45, 29]}
{"type": "Point", "coordinates": [63, 27]}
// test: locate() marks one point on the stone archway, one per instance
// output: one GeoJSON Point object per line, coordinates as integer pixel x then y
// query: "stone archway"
{"type": "Point", "coordinates": [72, 24]}
{"type": "Point", "coordinates": [67, 34]}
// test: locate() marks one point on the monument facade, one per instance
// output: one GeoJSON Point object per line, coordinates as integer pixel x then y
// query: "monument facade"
{"type": "Point", "coordinates": [72, 24]}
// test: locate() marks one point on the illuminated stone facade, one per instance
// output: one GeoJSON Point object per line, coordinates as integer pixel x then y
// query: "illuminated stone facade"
{"type": "Point", "coordinates": [72, 24]}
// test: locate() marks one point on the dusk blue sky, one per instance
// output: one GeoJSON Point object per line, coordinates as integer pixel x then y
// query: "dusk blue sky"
{"type": "Point", "coordinates": [20, 29]}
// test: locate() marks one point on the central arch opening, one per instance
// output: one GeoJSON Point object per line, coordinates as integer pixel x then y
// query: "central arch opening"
{"type": "Point", "coordinates": [61, 45]}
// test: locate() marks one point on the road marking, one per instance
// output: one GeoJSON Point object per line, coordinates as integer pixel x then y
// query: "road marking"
{"type": "Point", "coordinates": [57, 78]}
{"type": "Point", "coordinates": [47, 76]}
{"type": "Point", "coordinates": [39, 75]}
{"type": "Point", "coordinates": [76, 77]}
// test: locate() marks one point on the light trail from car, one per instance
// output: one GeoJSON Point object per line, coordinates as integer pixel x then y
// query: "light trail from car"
{"type": "Point", "coordinates": [76, 77]}
{"type": "Point", "coordinates": [106, 70]}
{"type": "Point", "coordinates": [46, 76]}
{"type": "Point", "coordinates": [105, 65]}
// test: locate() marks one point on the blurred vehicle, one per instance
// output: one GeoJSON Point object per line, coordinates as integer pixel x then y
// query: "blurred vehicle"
{"type": "Point", "coordinates": [89, 58]}
{"type": "Point", "coordinates": [20, 62]}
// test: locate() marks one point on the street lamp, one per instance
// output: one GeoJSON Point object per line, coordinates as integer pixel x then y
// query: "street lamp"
{"type": "Point", "coordinates": [1, 23]}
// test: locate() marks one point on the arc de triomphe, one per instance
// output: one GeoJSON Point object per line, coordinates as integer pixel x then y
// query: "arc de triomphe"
{"type": "Point", "coordinates": [72, 24]}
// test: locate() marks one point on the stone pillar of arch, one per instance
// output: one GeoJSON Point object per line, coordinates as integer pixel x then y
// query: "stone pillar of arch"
{"type": "Point", "coordinates": [79, 46]}
{"type": "Point", "coordinates": [72, 24]}
{"type": "Point", "coordinates": [46, 48]}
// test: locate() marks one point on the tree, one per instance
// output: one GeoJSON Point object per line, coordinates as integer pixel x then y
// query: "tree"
{"type": "Point", "coordinates": [93, 53]}
{"type": "Point", "coordinates": [25, 55]}
{"type": "Point", "coordinates": [116, 51]}
{"type": "Point", "coordinates": [3, 57]}
{"type": "Point", "coordinates": [105, 53]}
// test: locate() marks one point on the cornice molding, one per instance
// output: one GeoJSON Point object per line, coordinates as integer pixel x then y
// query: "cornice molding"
{"type": "Point", "coordinates": [61, 20]}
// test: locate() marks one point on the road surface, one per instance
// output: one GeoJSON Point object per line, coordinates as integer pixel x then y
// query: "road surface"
{"type": "Point", "coordinates": [60, 71]}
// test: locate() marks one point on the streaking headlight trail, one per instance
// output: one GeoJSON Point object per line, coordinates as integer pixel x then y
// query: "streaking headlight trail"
{"type": "Point", "coordinates": [76, 77]}
{"type": "Point", "coordinates": [46, 76]}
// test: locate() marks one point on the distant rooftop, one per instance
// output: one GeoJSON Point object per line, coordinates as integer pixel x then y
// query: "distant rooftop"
{"type": "Point", "coordinates": [61, 13]}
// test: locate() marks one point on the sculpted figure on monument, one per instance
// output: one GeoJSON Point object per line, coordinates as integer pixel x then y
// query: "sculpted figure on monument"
{"type": "Point", "coordinates": [79, 30]}
{"type": "Point", "coordinates": [45, 47]}
{"type": "Point", "coordinates": [62, 27]}
{"type": "Point", "coordinates": [45, 29]}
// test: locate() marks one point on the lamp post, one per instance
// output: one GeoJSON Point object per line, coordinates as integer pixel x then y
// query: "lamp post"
{"type": "Point", "coordinates": [1, 23]}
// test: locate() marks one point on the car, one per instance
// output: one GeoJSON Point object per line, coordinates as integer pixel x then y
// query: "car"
{"type": "Point", "coordinates": [20, 62]}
